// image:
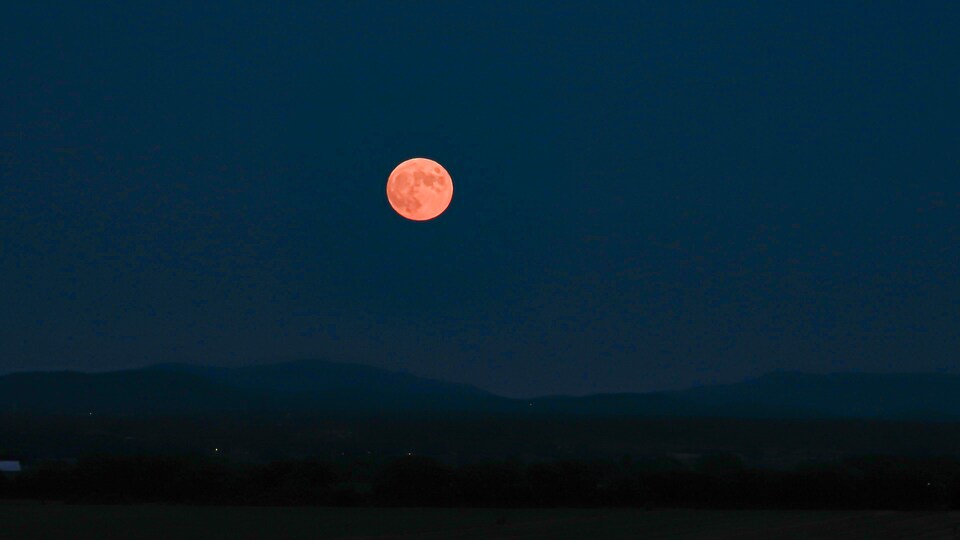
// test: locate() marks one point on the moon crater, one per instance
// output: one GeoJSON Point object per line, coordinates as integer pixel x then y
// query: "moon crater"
{"type": "Point", "coordinates": [419, 189]}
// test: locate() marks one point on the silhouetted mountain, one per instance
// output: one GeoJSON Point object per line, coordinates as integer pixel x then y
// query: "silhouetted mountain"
{"type": "Point", "coordinates": [117, 392]}
{"type": "Point", "coordinates": [901, 396]}
{"type": "Point", "coordinates": [318, 386]}
{"type": "Point", "coordinates": [904, 396]}
{"type": "Point", "coordinates": [302, 386]}
{"type": "Point", "coordinates": [659, 404]}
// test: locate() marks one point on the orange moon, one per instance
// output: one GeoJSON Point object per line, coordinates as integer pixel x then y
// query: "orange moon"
{"type": "Point", "coordinates": [419, 189]}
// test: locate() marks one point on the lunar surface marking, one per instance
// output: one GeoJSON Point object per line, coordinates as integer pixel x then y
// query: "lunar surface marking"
{"type": "Point", "coordinates": [419, 189]}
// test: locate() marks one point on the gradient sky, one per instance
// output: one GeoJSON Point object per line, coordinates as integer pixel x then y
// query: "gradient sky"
{"type": "Point", "coordinates": [648, 195]}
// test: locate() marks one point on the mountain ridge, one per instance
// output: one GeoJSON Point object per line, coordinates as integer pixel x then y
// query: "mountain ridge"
{"type": "Point", "coordinates": [313, 385]}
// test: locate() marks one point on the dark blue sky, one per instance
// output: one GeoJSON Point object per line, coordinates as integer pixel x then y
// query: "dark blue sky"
{"type": "Point", "coordinates": [648, 195]}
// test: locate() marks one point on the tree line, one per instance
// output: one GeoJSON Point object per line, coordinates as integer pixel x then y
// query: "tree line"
{"type": "Point", "coordinates": [720, 481]}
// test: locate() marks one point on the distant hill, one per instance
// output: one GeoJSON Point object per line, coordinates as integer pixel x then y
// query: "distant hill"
{"type": "Point", "coordinates": [319, 386]}
{"type": "Point", "coordinates": [301, 386]}
{"type": "Point", "coordinates": [118, 392]}
{"type": "Point", "coordinates": [898, 396]}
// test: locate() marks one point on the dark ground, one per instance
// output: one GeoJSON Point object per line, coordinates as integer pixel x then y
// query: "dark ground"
{"type": "Point", "coordinates": [466, 438]}
{"type": "Point", "coordinates": [34, 522]}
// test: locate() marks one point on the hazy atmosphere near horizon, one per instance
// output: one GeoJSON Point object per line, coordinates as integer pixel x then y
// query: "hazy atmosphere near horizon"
{"type": "Point", "coordinates": [647, 195]}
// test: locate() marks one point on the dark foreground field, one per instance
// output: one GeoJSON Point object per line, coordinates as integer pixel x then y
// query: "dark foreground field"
{"type": "Point", "coordinates": [33, 521]}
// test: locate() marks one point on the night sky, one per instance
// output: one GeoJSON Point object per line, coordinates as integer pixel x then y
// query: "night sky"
{"type": "Point", "coordinates": [647, 195]}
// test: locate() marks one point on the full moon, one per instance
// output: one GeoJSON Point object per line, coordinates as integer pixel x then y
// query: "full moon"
{"type": "Point", "coordinates": [419, 189]}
